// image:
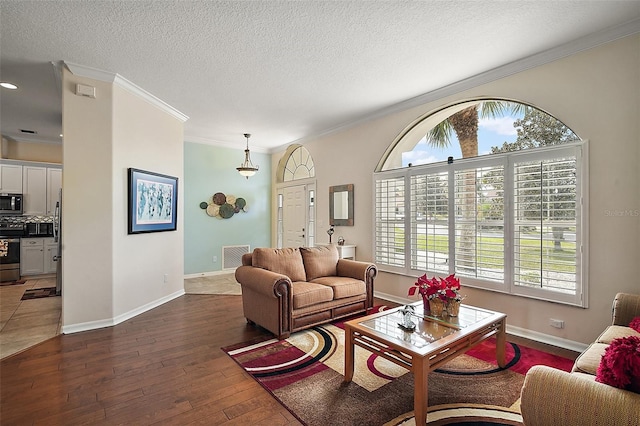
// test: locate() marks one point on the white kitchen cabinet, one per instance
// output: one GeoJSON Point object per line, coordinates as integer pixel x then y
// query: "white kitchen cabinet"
{"type": "Point", "coordinates": [36, 256]}
{"type": "Point", "coordinates": [10, 179]}
{"type": "Point", "coordinates": [40, 188]}
{"type": "Point", "coordinates": [54, 185]}
{"type": "Point", "coordinates": [31, 256]}
{"type": "Point", "coordinates": [34, 190]}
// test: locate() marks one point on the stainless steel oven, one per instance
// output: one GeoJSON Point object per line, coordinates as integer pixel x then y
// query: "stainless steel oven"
{"type": "Point", "coordinates": [10, 234]}
{"type": "Point", "coordinates": [9, 259]}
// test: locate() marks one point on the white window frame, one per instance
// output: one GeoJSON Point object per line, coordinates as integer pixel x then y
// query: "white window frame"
{"type": "Point", "coordinates": [579, 149]}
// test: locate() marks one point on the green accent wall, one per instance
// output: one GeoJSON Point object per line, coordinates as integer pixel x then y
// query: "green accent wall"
{"type": "Point", "coordinates": [209, 169]}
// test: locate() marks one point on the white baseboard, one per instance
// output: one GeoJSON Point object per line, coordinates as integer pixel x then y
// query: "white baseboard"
{"type": "Point", "coordinates": [547, 338]}
{"type": "Point", "coordinates": [209, 274]}
{"type": "Point", "coordinates": [516, 331]}
{"type": "Point", "coordinates": [110, 322]}
{"type": "Point", "coordinates": [394, 299]}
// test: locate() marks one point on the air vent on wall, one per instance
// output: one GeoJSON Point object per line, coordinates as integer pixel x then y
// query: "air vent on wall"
{"type": "Point", "coordinates": [232, 256]}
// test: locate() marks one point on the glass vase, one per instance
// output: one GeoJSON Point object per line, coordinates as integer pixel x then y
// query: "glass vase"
{"type": "Point", "coordinates": [436, 306]}
{"type": "Point", "coordinates": [453, 308]}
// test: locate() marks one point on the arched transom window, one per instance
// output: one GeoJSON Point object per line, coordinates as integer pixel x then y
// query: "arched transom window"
{"type": "Point", "coordinates": [298, 164]}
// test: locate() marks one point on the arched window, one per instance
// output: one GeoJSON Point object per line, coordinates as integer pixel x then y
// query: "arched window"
{"type": "Point", "coordinates": [501, 208]}
{"type": "Point", "coordinates": [475, 128]}
{"type": "Point", "coordinates": [295, 164]}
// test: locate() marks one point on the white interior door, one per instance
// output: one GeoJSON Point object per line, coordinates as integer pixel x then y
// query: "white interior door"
{"type": "Point", "coordinates": [294, 216]}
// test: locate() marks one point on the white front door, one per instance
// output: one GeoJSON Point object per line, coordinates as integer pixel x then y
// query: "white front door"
{"type": "Point", "coordinates": [294, 217]}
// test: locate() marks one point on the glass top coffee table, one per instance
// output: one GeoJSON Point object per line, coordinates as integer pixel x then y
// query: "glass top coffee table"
{"type": "Point", "coordinates": [434, 342]}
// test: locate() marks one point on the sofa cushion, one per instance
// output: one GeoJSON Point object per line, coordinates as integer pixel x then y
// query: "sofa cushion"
{"type": "Point", "coordinates": [343, 286]}
{"type": "Point", "coordinates": [308, 294]}
{"type": "Point", "coordinates": [320, 261]}
{"type": "Point", "coordinates": [589, 360]}
{"type": "Point", "coordinates": [615, 332]}
{"type": "Point", "coordinates": [285, 261]}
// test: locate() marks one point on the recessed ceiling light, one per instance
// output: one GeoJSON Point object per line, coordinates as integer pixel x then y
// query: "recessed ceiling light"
{"type": "Point", "coordinates": [8, 85]}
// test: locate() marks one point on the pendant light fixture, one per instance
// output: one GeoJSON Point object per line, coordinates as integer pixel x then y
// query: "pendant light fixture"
{"type": "Point", "coordinates": [247, 168]}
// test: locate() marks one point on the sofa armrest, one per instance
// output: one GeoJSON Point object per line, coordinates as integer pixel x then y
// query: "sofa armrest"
{"type": "Point", "coordinates": [625, 307]}
{"type": "Point", "coordinates": [364, 271]}
{"type": "Point", "coordinates": [552, 397]}
{"type": "Point", "coordinates": [356, 269]}
{"type": "Point", "coordinates": [262, 281]}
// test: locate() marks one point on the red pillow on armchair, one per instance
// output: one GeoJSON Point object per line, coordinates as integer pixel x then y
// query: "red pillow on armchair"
{"type": "Point", "coordinates": [620, 364]}
{"type": "Point", "coordinates": [635, 324]}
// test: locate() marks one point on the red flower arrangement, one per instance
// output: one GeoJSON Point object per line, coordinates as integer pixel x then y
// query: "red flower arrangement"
{"type": "Point", "coordinates": [443, 288]}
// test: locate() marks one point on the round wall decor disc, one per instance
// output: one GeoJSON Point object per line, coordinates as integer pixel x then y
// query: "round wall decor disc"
{"type": "Point", "coordinates": [219, 198]}
{"type": "Point", "coordinates": [213, 210]}
{"type": "Point", "coordinates": [226, 211]}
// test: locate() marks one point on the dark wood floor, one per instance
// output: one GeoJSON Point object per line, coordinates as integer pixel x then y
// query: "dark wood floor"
{"type": "Point", "coordinates": [162, 367]}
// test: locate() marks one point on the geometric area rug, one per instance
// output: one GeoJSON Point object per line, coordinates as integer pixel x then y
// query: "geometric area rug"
{"type": "Point", "coordinates": [37, 293]}
{"type": "Point", "coordinates": [305, 373]}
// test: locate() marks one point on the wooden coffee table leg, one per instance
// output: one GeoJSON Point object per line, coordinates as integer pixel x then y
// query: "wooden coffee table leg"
{"type": "Point", "coordinates": [501, 343]}
{"type": "Point", "coordinates": [348, 353]}
{"type": "Point", "coordinates": [421, 394]}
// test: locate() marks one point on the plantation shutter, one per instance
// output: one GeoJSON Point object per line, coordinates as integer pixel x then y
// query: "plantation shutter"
{"type": "Point", "coordinates": [430, 220]}
{"type": "Point", "coordinates": [546, 210]}
{"type": "Point", "coordinates": [509, 222]}
{"type": "Point", "coordinates": [479, 222]}
{"type": "Point", "coordinates": [389, 221]}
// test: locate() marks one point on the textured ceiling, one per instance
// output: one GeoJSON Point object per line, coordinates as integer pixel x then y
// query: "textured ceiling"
{"type": "Point", "coordinates": [281, 70]}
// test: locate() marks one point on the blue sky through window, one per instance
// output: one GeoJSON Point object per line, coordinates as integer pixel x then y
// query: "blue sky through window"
{"type": "Point", "coordinates": [491, 132]}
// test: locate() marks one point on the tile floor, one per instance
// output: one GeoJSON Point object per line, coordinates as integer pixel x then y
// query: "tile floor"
{"type": "Point", "coordinates": [214, 284]}
{"type": "Point", "coordinates": [24, 323]}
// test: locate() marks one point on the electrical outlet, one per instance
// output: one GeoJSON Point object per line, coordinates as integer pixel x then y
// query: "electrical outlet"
{"type": "Point", "coordinates": [215, 259]}
{"type": "Point", "coordinates": [556, 323]}
{"type": "Point", "coordinates": [166, 278]}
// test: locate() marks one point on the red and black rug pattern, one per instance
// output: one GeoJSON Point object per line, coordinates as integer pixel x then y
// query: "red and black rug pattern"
{"type": "Point", "coordinates": [305, 373]}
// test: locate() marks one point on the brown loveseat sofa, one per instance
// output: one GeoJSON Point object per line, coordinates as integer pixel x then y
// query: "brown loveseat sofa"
{"type": "Point", "coordinates": [289, 289]}
{"type": "Point", "coordinates": [553, 397]}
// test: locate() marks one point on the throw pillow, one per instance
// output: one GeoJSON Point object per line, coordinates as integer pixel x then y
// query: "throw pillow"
{"type": "Point", "coordinates": [620, 364]}
{"type": "Point", "coordinates": [635, 324]}
{"type": "Point", "coordinates": [320, 261]}
{"type": "Point", "coordinates": [285, 261]}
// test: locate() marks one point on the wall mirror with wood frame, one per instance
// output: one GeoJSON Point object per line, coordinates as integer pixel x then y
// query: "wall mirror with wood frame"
{"type": "Point", "coordinates": [341, 205]}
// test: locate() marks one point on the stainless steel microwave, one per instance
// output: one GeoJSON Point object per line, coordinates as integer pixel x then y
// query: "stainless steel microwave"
{"type": "Point", "coordinates": [11, 204]}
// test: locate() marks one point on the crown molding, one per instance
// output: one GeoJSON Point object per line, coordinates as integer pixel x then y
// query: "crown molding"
{"type": "Point", "coordinates": [117, 79]}
{"type": "Point", "coordinates": [214, 142]}
{"type": "Point", "coordinates": [587, 42]}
